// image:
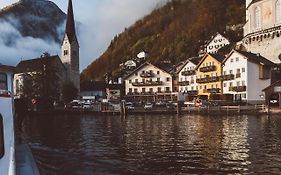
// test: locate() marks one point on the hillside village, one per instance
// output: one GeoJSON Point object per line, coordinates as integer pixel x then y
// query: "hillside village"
{"type": "Point", "coordinates": [222, 71]}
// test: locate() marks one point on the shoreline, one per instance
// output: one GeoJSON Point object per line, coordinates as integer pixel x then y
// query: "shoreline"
{"type": "Point", "coordinates": [207, 112]}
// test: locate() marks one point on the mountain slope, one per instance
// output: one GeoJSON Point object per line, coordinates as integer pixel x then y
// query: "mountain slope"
{"type": "Point", "coordinates": [173, 32]}
{"type": "Point", "coordinates": [35, 18]}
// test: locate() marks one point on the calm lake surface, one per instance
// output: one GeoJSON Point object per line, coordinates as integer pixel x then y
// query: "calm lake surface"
{"type": "Point", "coordinates": [189, 144]}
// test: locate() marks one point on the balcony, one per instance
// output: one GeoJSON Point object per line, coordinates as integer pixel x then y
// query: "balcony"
{"type": "Point", "coordinates": [238, 75]}
{"type": "Point", "coordinates": [188, 73]}
{"type": "Point", "coordinates": [202, 80]}
{"type": "Point", "coordinates": [238, 88]}
{"type": "Point", "coordinates": [147, 75]}
{"type": "Point", "coordinates": [214, 90]}
{"type": "Point", "coordinates": [208, 80]}
{"type": "Point", "coordinates": [213, 79]}
{"type": "Point", "coordinates": [184, 83]}
{"type": "Point", "coordinates": [227, 77]}
{"type": "Point", "coordinates": [192, 92]}
{"type": "Point", "coordinates": [148, 83]}
{"type": "Point", "coordinates": [208, 69]}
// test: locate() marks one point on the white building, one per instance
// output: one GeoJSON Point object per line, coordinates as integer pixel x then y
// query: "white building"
{"type": "Point", "coordinates": [263, 28]}
{"type": "Point", "coordinates": [216, 43]}
{"type": "Point", "coordinates": [187, 78]}
{"type": "Point", "coordinates": [148, 82]}
{"type": "Point", "coordinates": [245, 75]}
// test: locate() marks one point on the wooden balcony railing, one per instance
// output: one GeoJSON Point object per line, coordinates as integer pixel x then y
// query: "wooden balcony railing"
{"type": "Point", "coordinates": [208, 69]}
{"type": "Point", "coordinates": [184, 83]}
{"type": "Point", "coordinates": [148, 83]}
{"type": "Point", "coordinates": [214, 90]}
{"type": "Point", "coordinates": [238, 88]}
{"type": "Point", "coordinates": [227, 77]}
{"type": "Point", "coordinates": [208, 80]}
{"type": "Point", "coordinates": [147, 75]}
{"type": "Point", "coordinates": [188, 73]}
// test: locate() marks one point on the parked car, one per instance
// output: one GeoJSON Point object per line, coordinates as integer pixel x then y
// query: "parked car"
{"type": "Point", "coordinates": [130, 106]}
{"type": "Point", "coordinates": [87, 106]}
{"type": "Point", "coordinates": [160, 103]}
{"type": "Point", "coordinates": [148, 106]}
{"type": "Point", "coordinates": [74, 105]}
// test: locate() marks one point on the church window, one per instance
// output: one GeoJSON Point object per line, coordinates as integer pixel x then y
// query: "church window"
{"type": "Point", "coordinates": [257, 17]}
{"type": "Point", "coordinates": [278, 11]}
{"type": "Point", "coordinates": [65, 52]}
{"type": "Point", "coordinates": [3, 81]}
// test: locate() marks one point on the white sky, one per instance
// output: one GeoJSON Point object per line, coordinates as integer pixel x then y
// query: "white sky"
{"type": "Point", "coordinates": [103, 20]}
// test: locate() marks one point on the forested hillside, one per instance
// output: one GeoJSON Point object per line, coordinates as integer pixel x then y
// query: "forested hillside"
{"type": "Point", "coordinates": [173, 32]}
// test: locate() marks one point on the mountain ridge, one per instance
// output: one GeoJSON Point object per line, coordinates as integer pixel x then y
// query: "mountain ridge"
{"type": "Point", "coordinates": [173, 32]}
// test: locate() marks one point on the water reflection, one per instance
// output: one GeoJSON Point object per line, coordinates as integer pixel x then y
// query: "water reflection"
{"type": "Point", "coordinates": [155, 144]}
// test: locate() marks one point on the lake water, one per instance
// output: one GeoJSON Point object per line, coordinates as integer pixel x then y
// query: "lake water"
{"type": "Point", "coordinates": [189, 144]}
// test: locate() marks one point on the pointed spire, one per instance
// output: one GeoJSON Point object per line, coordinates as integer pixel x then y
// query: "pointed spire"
{"type": "Point", "coordinates": [70, 23]}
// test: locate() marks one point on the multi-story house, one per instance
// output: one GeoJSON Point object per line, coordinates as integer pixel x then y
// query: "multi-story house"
{"type": "Point", "coordinates": [208, 75]}
{"type": "Point", "coordinates": [187, 78]}
{"type": "Point", "coordinates": [216, 43]}
{"type": "Point", "coordinates": [245, 75]}
{"type": "Point", "coordinates": [148, 83]}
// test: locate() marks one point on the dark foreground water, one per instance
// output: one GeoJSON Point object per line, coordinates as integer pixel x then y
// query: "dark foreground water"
{"type": "Point", "coordinates": [189, 144]}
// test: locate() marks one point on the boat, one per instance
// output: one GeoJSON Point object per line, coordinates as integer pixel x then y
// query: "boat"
{"type": "Point", "coordinates": [14, 159]}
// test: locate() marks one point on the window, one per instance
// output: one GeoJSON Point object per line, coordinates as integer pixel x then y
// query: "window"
{"type": "Point", "coordinates": [224, 84]}
{"type": "Point", "coordinates": [3, 81]}
{"type": "Point", "coordinates": [231, 60]}
{"type": "Point", "coordinates": [167, 89]}
{"type": "Point", "coordinates": [158, 79]}
{"type": "Point", "coordinates": [278, 11]}
{"type": "Point", "coordinates": [244, 96]}
{"type": "Point", "coordinates": [238, 83]}
{"type": "Point", "coordinates": [65, 52]}
{"type": "Point", "coordinates": [168, 79]}
{"type": "Point", "coordinates": [243, 83]}
{"type": "Point", "coordinates": [237, 59]}
{"type": "Point", "coordinates": [238, 71]}
{"type": "Point", "coordinates": [257, 17]}
{"type": "Point", "coordinates": [143, 90]}
{"type": "Point", "coordinates": [230, 84]}
{"type": "Point", "coordinates": [2, 150]}
{"type": "Point", "coordinates": [136, 80]}
{"type": "Point", "coordinates": [243, 70]}
{"type": "Point", "coordinates": [130, 90]}
{"type": "Point", "coordinates": [136, 74]}
{"type": "Point", "coordinates": [158, 72]}
{"type": "Point", "coordinates": [151, 90]}
{"type": "Point", "coordinates": [159, 89]}
{"type": "Point", "coordinates": [230, 71]}
{"type": "Point", "coordinates": [143, 80]}
{"type": "Point", "coordinates": [135, 90]}
{"type": "Point", "coordinates": [130, 81]}
{"type": "Point", "coordinates": [224, 72]}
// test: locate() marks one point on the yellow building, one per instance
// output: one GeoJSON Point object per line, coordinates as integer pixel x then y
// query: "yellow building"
{"type": "Point", "coordinates": [208, 76]}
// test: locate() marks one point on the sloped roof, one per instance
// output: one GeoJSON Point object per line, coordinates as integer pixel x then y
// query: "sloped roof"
{"type": "Point", "coordinates": [214, 36]}
{"type": "Point", "coordinates": [277, 83]}
{"type": "Point", "coordinates": [70, 24]}
{"type": "Point", "coordinates": [194, 60]}
{"type": "Point", "coordinates": [256, 58]}
{"type": "Point", "coordinates": [7, 68]}
{"type": "Point", "coordinates": [34, 65]}
{"type": "Point", "coordinates": [254, 1]}
{"type": "Point", "coordinates": [217, 57]}
{"type": "Point", "coordinates": [141, 66]}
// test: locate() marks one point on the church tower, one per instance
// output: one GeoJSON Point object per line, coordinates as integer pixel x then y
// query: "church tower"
{"type": "Point", "coordinates": [70, 49]}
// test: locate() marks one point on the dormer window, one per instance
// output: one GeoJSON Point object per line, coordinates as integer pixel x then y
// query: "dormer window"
{"type": "Point", "coordinates": [3, 81]}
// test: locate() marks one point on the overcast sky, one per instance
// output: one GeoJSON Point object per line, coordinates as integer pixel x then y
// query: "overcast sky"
{"type": "Point", "coordinates": [103, 19]}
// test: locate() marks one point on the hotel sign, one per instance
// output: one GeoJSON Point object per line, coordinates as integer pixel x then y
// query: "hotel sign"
{"type": "Point", "coordinates": [277, 89]}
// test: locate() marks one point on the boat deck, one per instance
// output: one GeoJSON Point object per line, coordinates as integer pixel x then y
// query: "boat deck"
{"type": "Point", "coordinates": [25, 163]}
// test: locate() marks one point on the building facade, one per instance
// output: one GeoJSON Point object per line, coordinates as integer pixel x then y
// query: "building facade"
{"type": "Point", "coordinates": [187, 78]}
{"type": "Point", "coordinates": [263, 28]}
{"type": "Point", "coordinates": [245, 75]}
{"type": "Point", "coordinates": [70, 49]}
{"type": "Point", "coordinates": [149, 83]}
{"type": "Point", "coordinates": [208, 75]}
{"type": "Point", "coordinates": [216, 43]}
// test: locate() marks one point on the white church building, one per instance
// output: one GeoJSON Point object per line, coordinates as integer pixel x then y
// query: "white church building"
{"type": "Point", "coordinates": [263, 28]}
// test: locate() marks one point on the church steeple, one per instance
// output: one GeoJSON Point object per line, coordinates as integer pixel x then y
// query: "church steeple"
{"type": "Point", "coordinates": [70, 24]}
{"type": "Point", "coordinates": [70, 49]}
